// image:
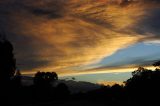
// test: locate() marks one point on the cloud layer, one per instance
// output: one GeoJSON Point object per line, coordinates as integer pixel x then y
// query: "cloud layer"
{"type": "Point", "coordinates": [59, 35]}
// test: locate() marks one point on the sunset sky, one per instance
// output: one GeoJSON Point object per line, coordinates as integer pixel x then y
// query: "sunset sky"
{"type": "Point", "coordinates": [92, 40]}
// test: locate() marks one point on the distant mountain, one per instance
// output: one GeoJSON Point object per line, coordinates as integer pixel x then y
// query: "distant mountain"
{"type": "Point", "coordinates": [27, 81]}
{"type": "Point", "coordinates": [74, 86]}
{"type": "Point", "coordinates": [79, 86]}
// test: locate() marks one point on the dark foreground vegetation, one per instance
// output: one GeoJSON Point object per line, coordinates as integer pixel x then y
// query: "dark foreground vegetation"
{"type": "Point", "coordinates": [143, 88]}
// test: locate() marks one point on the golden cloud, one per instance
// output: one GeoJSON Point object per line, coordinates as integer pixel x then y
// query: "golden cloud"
{"type": "Point", "coordinates": [109, 83]}
{"type": "Point", "coordinates": [64, 34]}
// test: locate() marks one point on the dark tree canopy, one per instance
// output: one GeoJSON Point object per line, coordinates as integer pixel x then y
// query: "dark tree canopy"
{"type": "Point", "coordinates": [144, 85]}
{"type": "Point", "coordinates": [7, 61]}
{"type": "Point", "coordinates": [143, 77]}
{"type": "Point", "coordinates": [45, 78]}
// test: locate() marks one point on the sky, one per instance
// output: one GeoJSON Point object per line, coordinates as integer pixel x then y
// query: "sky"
{"type": "Point", "coordinates": [82, 37]}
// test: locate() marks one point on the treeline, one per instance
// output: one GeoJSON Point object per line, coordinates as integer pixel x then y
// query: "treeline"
{"type": "Point", "coordinates": [143, 88]}
{"type": "Point", "coordinates": [12, 90]}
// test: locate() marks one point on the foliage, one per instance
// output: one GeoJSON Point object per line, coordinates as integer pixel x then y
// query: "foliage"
{"type": "Point", "coordinates": [7, 61]}
{"type": "Point", "coordinates": [45, 78]}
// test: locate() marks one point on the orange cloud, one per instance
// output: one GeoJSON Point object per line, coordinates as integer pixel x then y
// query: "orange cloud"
{"type": "Point", "coordinates": [109, 83]}
{"type": "Point", "coordinates": [58, 35]}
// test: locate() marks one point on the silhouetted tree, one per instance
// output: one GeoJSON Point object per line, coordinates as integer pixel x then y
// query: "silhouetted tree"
{"type": "Point", "coordinates": [43, 85]}
{"type": "Point", "coordinates": [7, 69]}
{"type": "Point", "coordinates": [45, 78]}
{"type": "Point", "coordinates": [144, 85]}
{"type": "Point", "coordinates": [139, 76]}
{"type": "Point", "coordinates": [7, 62]}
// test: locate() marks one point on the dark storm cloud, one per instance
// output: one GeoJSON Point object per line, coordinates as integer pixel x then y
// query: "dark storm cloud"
{"type": "Point", "coordinates": [53, 10]}
{"type": "Point", "coordinates": [150, 23]}
{"type": "Point", "coordinates": [49, 14]}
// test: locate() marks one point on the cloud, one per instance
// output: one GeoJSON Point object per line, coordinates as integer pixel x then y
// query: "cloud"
{"type": "Point", "coordinates": [150, 23]}
{"type": "Point", "coordinates": [57, 35]}
{"type": "Point", "coordinates": [110, 83]}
